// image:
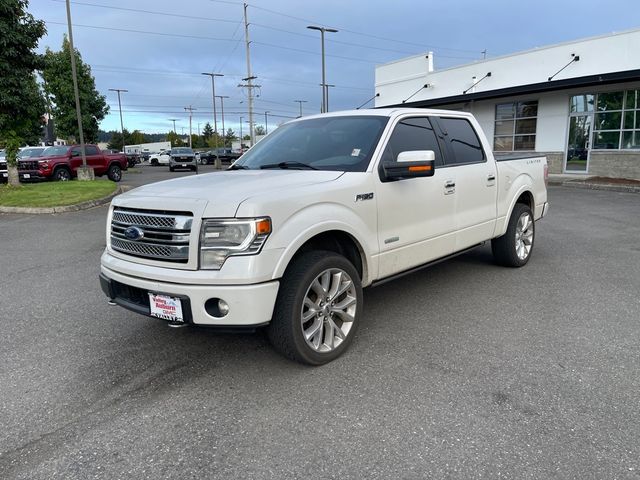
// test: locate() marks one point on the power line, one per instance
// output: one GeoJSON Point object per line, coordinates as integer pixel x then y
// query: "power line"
{"type": "Point", "coordinates": [386, 39]}
{"type": "Point", "coordinates": [151, 12]}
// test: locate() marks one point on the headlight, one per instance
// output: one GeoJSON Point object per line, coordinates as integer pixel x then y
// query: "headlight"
{"type": "Point", "coordinates": [220, 239]}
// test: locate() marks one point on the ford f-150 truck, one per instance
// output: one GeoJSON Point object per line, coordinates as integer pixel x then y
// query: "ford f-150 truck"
{"type": "Point", "coordinates": [62, 162]}
{"type": "Point", "coordinates": [325, 205]}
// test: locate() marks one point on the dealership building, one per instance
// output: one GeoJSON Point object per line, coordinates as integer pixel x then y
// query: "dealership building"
{"type": "Point", "coordinates": [578, 102]}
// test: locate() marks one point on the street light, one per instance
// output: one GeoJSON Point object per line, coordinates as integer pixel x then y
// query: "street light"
{"type": "Point", "coordinates": [213, 97]}
{"type": "Point", "coordinates": [120, 107]}
{"type": "Point", "coordinates": [224, 138]}
{"type": "Point", "coordinates": [241, 118]}
{"type": "Point", "coordinates": [322, 30]}
{"type": "Point", "coordinates": [300, 102]}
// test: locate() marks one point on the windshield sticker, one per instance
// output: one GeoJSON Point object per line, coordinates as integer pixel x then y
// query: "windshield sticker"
{"type": "Point", "coordinates": [355, 152]}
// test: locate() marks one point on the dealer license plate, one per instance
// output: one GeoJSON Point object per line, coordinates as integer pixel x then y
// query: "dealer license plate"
{"type": "Point", "coordinates": [165, 307]}
{"type": "Point", "coordinates": [26, 175]}
{"type": "Point", "coordinates": [184, 164]}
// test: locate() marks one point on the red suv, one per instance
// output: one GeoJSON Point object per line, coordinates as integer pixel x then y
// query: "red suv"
{"type": "Point", "coordinates": [62, 162]}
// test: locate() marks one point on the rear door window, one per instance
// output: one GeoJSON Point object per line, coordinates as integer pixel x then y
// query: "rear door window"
{"type": "Point", "coordinates": [462, 141]}
{"type": "Point", "coordinates": [92, 150]}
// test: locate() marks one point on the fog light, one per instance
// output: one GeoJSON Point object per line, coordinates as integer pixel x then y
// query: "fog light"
{"type": "Point", "coordinates": [216, 307]}
{"type": "Point", "coordinates": [223, 307]}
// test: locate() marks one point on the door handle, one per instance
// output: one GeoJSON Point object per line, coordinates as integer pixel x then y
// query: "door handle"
{"type": "Point", "coordinates": [491, 177]}
{"type": "Point", "coordinates": [449, 187]}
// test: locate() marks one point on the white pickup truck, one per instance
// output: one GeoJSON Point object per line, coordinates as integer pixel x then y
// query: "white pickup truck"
{"type": "Point", "coordinates": [325, 205]}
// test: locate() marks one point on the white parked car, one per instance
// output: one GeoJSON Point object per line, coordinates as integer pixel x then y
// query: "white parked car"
{"type": "Point", "coordinates": [162, 158]}
{"type": "Point", "coordinates": [326, 205]}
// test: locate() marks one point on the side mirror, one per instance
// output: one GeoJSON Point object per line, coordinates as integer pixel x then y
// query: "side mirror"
{"type": "Point", "coordinates": [410, 164]}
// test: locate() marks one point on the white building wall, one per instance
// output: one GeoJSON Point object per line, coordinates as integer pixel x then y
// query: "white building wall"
{"type": "Point", "coordinates": [396, 81]}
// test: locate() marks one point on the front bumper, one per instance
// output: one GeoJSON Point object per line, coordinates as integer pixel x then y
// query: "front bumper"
{"type": "Point", "coordinates": [249, 305]}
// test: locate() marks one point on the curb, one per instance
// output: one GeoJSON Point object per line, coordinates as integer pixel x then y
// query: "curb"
{"type": "Point", "coordinates": [67, 208]}
{"type": "Point", "coordinates": [609, 187]}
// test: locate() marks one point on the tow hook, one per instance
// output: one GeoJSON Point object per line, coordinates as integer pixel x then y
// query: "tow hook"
{"type": "Point", "coordinates": [177, 324]}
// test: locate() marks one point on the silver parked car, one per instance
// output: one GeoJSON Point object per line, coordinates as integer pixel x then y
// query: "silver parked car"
{"type": "Point", "coordinates": [182, 157]}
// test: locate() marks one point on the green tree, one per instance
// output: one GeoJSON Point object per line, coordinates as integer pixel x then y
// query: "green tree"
{"type": "Point", "coordinates": [175, 139]}
{"type": "Point", "coordinates": [229, 137]}
{"type": "Point", "coordinates": [115, 142]}
{"type": "Point", "coordinates": [59, 88]}
{"type": "Point", "coordinates": [260, 130]}
{"type": "Point", "coordinates": [136, 138]}
{"type": "Point", "coordinates": [21, 102]}
{"type": "Point", "coordinates": [207, 131]}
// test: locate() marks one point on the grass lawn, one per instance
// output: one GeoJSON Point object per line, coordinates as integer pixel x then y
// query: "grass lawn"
{"type": "Point", "coordinates": [54, 194]}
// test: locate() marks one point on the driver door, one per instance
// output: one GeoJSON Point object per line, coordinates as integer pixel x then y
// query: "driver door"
{"type": "Point", "coordinates": [416, 216]}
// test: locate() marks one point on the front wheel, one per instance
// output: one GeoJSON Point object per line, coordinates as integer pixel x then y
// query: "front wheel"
{"type": "Point", "coordinates": [513, 249]}
{"type": "Point", "coordinates": [318, 308]}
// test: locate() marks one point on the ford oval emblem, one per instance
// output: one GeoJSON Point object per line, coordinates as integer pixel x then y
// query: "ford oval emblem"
{"type": "Point", "coordinates": [133, 233]}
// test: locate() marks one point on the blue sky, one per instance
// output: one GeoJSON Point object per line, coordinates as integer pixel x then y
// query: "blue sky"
{"type": "Point", "coordinates": [158, 51]}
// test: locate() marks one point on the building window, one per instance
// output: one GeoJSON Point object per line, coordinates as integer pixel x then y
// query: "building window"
{"type": "Point", "coordinates": [515, 127]}
{"type": "Point", "coordinates": [617, 120]}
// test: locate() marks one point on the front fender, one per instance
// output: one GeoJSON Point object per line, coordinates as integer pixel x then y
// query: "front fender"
{"type": "Point", "coordinates": [295, 231]}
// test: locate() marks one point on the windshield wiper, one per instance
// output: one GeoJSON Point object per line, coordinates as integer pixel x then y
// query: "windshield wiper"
{"type": "Point", "coordinates": [238, 167]}
{"type": "Point", "coordinates": [285, 165]}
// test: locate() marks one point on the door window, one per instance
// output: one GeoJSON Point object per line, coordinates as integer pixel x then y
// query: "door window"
{"type": "Point", "coordinates": [462, 141]}
{"type": "Point", "coordinates": [92, 150]}
{"type": "Point", "coordinates": [412, 134]}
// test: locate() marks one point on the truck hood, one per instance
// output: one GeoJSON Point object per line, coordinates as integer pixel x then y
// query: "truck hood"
{"type": "Point", "coordinates": [218, 194]}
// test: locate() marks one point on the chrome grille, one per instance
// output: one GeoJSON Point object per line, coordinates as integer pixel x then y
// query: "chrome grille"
{"type": "Point", "coordinates": [28, 165]}
{"type": "Point", "coordinates": [165, 234]}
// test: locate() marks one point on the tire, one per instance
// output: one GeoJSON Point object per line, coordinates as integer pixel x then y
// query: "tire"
{"type": "Point", "coordinates": [300, 308]}
{"type": "Point", "coordinates": [514, 248]}
{"type": "Point", "coordinates": [154, 162]}
{"type": "Point", "coordinates": [171, 169]}
{"type": "Point", "coordinates": [115, 173]}
{"type": "Point", "coordinates": [62, 174]}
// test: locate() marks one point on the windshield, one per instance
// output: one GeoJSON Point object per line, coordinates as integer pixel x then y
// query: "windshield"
{"type": "Point", "coordinates": [181, 150]}
{"type": "Point", "coordinates": [54, 151]}
{"type": "Point", "coordinates": [328, 143]}
{"type": "Point", "coordinates": [31, 152]}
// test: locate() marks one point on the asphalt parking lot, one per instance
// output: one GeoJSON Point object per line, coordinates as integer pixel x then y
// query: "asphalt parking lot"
{"type": "Point", "coordinates": [465, 370]}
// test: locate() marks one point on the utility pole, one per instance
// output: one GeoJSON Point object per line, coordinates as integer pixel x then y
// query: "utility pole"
{"type": "Point", "coordinates": [325, 92]}
{"type": "Point", "coordinates": [224, 132]}
{"type": "Point", "coordinates": [300, 102]}
{"type": "Point", "coordinates": [120, 107]}
{"type": "Point", "coordinates": [266, 127]}
{"type": "Point", "coordinates": [190, 109]}
{"type": "Point", "coordinates": [213, 97]}
{"type": "Point", "coordinates": [198, 128]}
{"type": "Point", "coordinates": [250, 77]}
{"type": "Point", "coordinates": [87, 172]}
{"type": "Point", "coordinates": [241, 118]}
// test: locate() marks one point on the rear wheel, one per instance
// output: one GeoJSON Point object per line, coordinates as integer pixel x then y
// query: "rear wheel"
{"type": "Point", "coordinates": [62, 174]}
{"type": "Point", "coordinates": [171, 169]}
{"type": "Point", "coordinates": [154, 162]}
{"type": "Point", "coordinates": [318, 308]}
{"type": "Point", "coordinates": [514, 248]}
{"type": "Point", "coordinates": [115, 173]}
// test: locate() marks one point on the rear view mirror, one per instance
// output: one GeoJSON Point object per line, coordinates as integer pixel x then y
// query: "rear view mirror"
{"type": "Point", "coordinates": [410, 164]}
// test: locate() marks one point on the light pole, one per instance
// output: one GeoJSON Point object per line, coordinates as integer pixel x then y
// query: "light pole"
{"type": "Point", "coordinates": [174, 124]}
{"type": "Point", "coordinates": [300, 102]}
{"type": "Point", "coordinates": [266, 126]}
{"type": "Point", "coordinates": [120, 107]}
{"type": "Point", "coordinates": [87, 173]}
{"type": "Point", "coordinates": [326, 92]}
{"type": "Point", "coordinates": [213, 97]}
{"type": "Point", "coordinates": [190, 109]}
{"type": "Point", "coordinates": [241, 118]}
{"type": "Point", "coordinates": [224, 132]}
{"type": "Point", "coordinates": [322, 30]}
